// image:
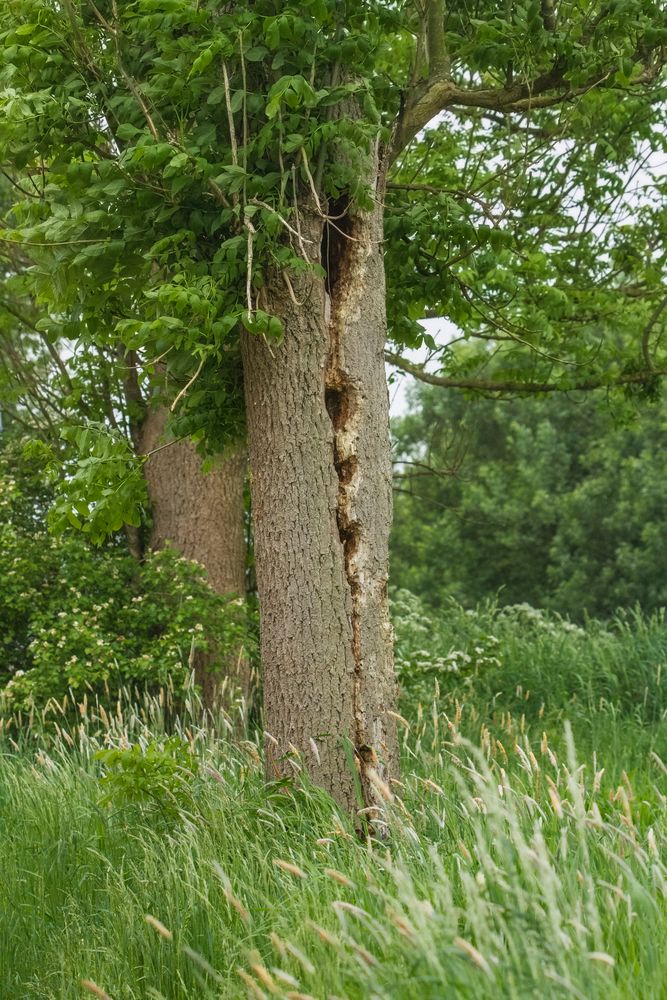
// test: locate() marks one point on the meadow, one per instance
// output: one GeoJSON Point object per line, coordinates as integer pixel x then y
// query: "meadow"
{"type": "Point", "coordinates": [520, 854]}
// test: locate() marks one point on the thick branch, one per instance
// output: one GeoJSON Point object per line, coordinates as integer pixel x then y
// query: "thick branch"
{"type": "Point", "coordinates": [438, 63]}
{"type": "Point", "coordinates": [496, 385]}
{"type": "Point", "coordinates": [439, 93]}
{"type": "Point", "coordinates": [136, 404]}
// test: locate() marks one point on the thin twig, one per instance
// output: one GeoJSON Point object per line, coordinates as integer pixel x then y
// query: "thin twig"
{"type": "Point", "coordinates": [186, 387]}
{"type": "Point", "coordinates": [248, 281]}
{"type": "Point", "coordinates": [304, 160]}
{"type": "Point", "coordinates": [230, 116]}
{"type": "Point", "coordinates": [291, 290]}
{"type": "Point", "coordinates": [295, 232]}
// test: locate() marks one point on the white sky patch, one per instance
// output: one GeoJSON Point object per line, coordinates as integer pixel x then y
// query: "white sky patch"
{"type": "Point", "coordinates": [442, 331]}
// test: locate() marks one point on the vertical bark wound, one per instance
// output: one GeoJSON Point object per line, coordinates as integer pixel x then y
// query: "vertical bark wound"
{"type": "Point", "coordinates": [317, 411]}
{"type": "Point", "coordinates": [341, 397]}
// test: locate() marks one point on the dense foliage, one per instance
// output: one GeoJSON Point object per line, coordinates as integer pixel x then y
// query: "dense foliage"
{"type": "Point", "coordinates": [77, 618]}
{"type": "Point", "coordinates": [161, 151]}
{"type": "Point", "coordinates": [558, 502]}
{"type": "Point", "coordinates": [520, 659]}
{"type": "Point", "coordinates": [161, 156]}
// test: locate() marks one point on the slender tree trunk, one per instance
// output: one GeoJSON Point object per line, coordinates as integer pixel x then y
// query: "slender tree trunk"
{"type": "Point", "coordinates": [317, 409]}
{"type": "Point", "coordinates": [202, 516]}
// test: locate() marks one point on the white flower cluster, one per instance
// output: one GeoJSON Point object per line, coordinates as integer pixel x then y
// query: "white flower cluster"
{"type": "Point", "coordinates": [550, 624]}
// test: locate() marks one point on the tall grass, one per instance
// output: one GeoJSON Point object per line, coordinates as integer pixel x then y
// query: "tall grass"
{"type": "Point", "coordinates": [510, 867]}
{"type": "Point", "coordinates": [542, 667]}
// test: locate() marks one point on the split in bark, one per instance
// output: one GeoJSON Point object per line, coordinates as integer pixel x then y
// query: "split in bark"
{"type": "Point", "coordinates": [317, 410]}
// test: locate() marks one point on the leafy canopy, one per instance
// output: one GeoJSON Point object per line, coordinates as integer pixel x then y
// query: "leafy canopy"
{"type": "Point", "coordinates": [163, 150]}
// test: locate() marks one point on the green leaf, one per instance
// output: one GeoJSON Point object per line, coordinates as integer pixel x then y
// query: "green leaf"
{"type": "Point", "coordinates": [293, 142]}
{"type": "Point", "coordinates": [237, 99]}
{"type": "Point", "coordinates": [256, 53]}
{"type": "Point", "coordinates": [127, 131]}
{"type": "Point", "coordinates": [216, 96]}
{"type": "Point", "coordinates": [202, 62]}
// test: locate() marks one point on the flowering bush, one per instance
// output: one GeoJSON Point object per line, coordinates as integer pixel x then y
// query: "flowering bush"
{"type": "Point", "coordinates": [454, 648]}
{"type": "Point", "coordinates": [77, 617]}
{"type": "Point", "coordinates": [533, 619]}
{"type": "Point", "coordinates": [529, 661]}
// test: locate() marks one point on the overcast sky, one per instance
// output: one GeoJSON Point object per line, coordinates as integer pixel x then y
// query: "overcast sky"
{"type": "Point", "coordinates": [442, 331]}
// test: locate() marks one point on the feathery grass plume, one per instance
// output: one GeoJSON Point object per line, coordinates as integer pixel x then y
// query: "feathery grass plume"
{"type": "Point", "coordinates": [292, 869]}
{"type": "Point", "coordinates": [324, 934]}
{"type": "Point", "coordinates": [253, 988]}
{"type": "Point", "coordinates": [96, 990]}
{"type": "Point", "coordinates": [337, 876]}
{"type": "Point", "coordinates": [284, 977]}
{"type": "Point", "coordinates": [158, 926]}
{"type": "Point", "coordinates": [261, 972]}
{"type": "Point", "coordinates": [473, 954]}
{"type": "Point", "coordinates": [545, 870]}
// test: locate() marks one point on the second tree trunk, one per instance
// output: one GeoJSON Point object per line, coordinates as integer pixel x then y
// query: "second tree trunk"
{"type": "Point", "coordinates": [202, 516]}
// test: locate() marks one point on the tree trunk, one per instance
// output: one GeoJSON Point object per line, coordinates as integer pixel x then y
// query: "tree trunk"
{"type": "Point", "coordinates": [202, 516]}
{"type": "Point", "coordinates": [318, 425]}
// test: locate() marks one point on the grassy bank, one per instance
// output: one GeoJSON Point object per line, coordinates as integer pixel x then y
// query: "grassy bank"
{"type": "Point", "coordinates": [519, 860]}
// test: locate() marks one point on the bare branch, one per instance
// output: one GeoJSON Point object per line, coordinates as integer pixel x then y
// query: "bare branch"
{"type": "Point", "coordinates": [26, 321]}
{"type": "Point", "coordinates": [496, 385]}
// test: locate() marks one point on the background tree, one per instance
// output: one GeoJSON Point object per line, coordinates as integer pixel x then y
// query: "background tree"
{"type": "Point", "coordinates": [215, 179]}
{"type": "Point", "coordinates": [58, 392]}
{"type": "Point", "coordinates": [84, 621]}
{"type": "Point", "coordinates": [554, 501]}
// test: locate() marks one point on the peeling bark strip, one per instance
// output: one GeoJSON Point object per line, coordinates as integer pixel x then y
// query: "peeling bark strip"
{"type": "Point", "coordinates": [352, 277]}
{"type": "Point", "coordinates": [318, 425]}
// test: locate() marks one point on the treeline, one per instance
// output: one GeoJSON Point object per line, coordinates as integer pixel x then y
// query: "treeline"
{"type": "Point", "coordinates": [559, 502]}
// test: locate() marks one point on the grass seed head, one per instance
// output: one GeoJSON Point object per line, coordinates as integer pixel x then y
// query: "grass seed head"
{"type": "Point", "coordinates": [158, 926]}
{"type": "Point", "coordinates": [337, 876]}
{"type": "Point", "coordinates": [96, 990]}
{"type": "Point", "coordinates": [473, 954]}
{"type": "Point", "coordinates": [601, 956]}
{"type": "Point", "coordinates": [287, 866]}
{"type": "Point", "coordinates": [251, 985]}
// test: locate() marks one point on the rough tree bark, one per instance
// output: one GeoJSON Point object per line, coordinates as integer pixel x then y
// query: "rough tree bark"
{"type": "Point", "coordinates": [318, 426]}
{"type": "Point", "coordinates": [202, 516]}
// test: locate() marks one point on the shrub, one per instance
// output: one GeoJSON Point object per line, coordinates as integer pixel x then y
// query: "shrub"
{"type": "Point", "coordinates": [157, 774]}
{"type": "Point", "coordinates": [532, 662]}
{"type": "Point", "coordinates": [84, 618]}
